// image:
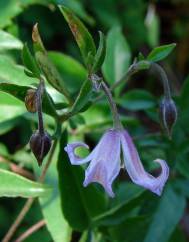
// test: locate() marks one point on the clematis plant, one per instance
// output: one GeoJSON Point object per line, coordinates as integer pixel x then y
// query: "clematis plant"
{"type": "Point", "coordinates": [105, 159]}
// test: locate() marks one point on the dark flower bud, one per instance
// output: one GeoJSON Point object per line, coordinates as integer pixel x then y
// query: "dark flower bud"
{"type": "Point", "coordinates": [30, 100]}
{"type": "Point", "coordinates": [40, 145]}
{"type": "Point", "coordinates": [168, 114]}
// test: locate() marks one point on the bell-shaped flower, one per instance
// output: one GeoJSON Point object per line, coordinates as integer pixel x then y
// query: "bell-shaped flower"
{"type": "Point", "coordinates": [106, 162]}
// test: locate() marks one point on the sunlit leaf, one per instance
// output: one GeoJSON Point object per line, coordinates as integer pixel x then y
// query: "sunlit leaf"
{"type": "Point", "coordinates": [118, 56]}
{"type": "Point", "coordinates": [8, 41]}
{"type": "Point", "coordinates": [13, 185]}
{"type": "Point", "coordinates": [51, 205]}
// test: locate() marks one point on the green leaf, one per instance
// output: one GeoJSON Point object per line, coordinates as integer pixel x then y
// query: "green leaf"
{"type": "Point", "coordinates": [20, 93]}
{"type": "Point", "coordinates": [166, 217]}
{"type": "Point", "coordinates": [82, 36]}
{"type": "Point", "coordinates": [29, 62]}
{"type": "Point", "coordinates": [13, 185]}
{"type": "Point", "coordinates": [82, 98]}
{"type": "Point", "coordinates": [51, 73]}
{"type": "Point", "coordinates": [126, 231]}
{"type": "Point", "coordinates": [12, 73]}
{"type": "Point", "coordinates": [161, 52]}
{"type": "Point", "coordinates": [10, 9]}
{"type": "Point", "coordinates": [137, 100]}
{"type": "Point", "coordinates": [77, 7]}
{"type": "Point", "coordinates": [79, 204]}
{"type": "Point", "coordinates": [47, 67]}
{"type": "Point", "coordinates": [51, 205]}
{"type": "Point", "coordinates": [140, 57]}
{"type": "Point", "coordinates": [8, 41]}
{"type": "Point", "coordinates": [153, 26]}
{"type": "Point", "coordinates": [70, 70]}
{"type": "Point", "coordinates": [118, 56]}
{"type": "Point", "coordinates": [100, 54]}
{"type": "Point", "coordinates": [122, 205]}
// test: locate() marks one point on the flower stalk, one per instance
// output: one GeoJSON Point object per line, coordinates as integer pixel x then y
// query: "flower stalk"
{"type": "Point", "coordinates": [113, 107]}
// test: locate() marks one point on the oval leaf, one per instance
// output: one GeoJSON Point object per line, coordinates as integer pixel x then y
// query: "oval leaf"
{"type": "Point", "coordinates": [161, 52]}
{"type": "Point", "coordinates": [137, 100]}
{"type": "Point", "coordinates": [13, 185]}
{"type": "Point", "coordinates": [70, 69]}
{"type": "Point", "coordinates": [118, 56]}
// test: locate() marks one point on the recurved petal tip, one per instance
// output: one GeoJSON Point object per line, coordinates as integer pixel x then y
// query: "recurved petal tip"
{"type": "Point", "coordinates": [162, 178]}
{"type": "Point", "coordinates": [75, 159]}
{"type": "Point", "coordinates": [136, 170]}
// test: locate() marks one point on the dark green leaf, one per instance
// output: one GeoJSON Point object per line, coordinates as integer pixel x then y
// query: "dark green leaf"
{"type": "Point", "coordinates": [161, 52]}
{"type": "Point", "coordinates": [79, 204]}
{"type": "Point", "coordinates": [29, 62]}
{"type": "Point", "coordinates": [13, 185]}
{"type": "Point", "coordinates": [100, 54]}
{"type": "Point", "coordinates": [81, 34]}
{"type": "Point", "coordinates": [166, 217]}
{"type": "Point", "coordinates": [82, 98]}
{"type": "Point", "coordinates": [122, 205]}
{"type": "Point", "coordinates": [140, 57]}
{"type": "Point", "coordinates": [137, 100]}
{"type": "Point", "coordinates": [131, 230]}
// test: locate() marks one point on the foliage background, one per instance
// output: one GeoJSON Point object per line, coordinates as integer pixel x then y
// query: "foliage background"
{"type": "Point", "coordinates": [131, 26]}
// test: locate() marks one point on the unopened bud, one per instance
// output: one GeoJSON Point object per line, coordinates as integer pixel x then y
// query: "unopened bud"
{"type": "Point", "coordinates": [168, 114]}
{"type": "Point", "coordinates": [40, 145]}
{"type": "Point", "coordinates": [30, 100]}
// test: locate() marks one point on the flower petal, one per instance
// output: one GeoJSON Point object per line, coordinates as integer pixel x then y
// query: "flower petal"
{"type": "Point", "coordinates": [136, 170]}
{"type": "Point", "coordinates": [75, 159]}
{"type": "Point", "coordinates": [105, 164]}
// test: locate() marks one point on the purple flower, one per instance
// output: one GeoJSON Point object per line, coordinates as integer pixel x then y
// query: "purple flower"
{"type": "Point", "coordinates": [106, 162]}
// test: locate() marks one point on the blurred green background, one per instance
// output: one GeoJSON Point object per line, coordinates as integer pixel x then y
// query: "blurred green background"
{"type": "Point", "coordinates": [136, 26]}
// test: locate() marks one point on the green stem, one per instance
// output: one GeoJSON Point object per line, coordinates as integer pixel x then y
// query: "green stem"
{"type": "Point", "coordinates": [39, 107]}
{"type": "Point", "coordinates": [116, 120]}
{"type": "Point", "coordinates": [155, 68]}
{"type": "Point", "coordinates": [159, 71]}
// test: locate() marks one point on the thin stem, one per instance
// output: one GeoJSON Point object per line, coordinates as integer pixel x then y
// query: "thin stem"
{"type": "Point", "coordinates": [143, 65]}
{"type": "Point", "coordinates": [44, 171]}
{"type": "Point", "coordinates": [18, 220]}
{"type": "Point", "coordinates": [30, 231]}
{"type": "Point", "coordinates": [117, 123]}
{"type": "Point", "coordinates": [134, 68]}
{"type": "Point", "coordinates": [159, 71]}
{"type": "Point", "coordinates": [39, 107]}
{"type": "Point", "coordinates": [30, 201]}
